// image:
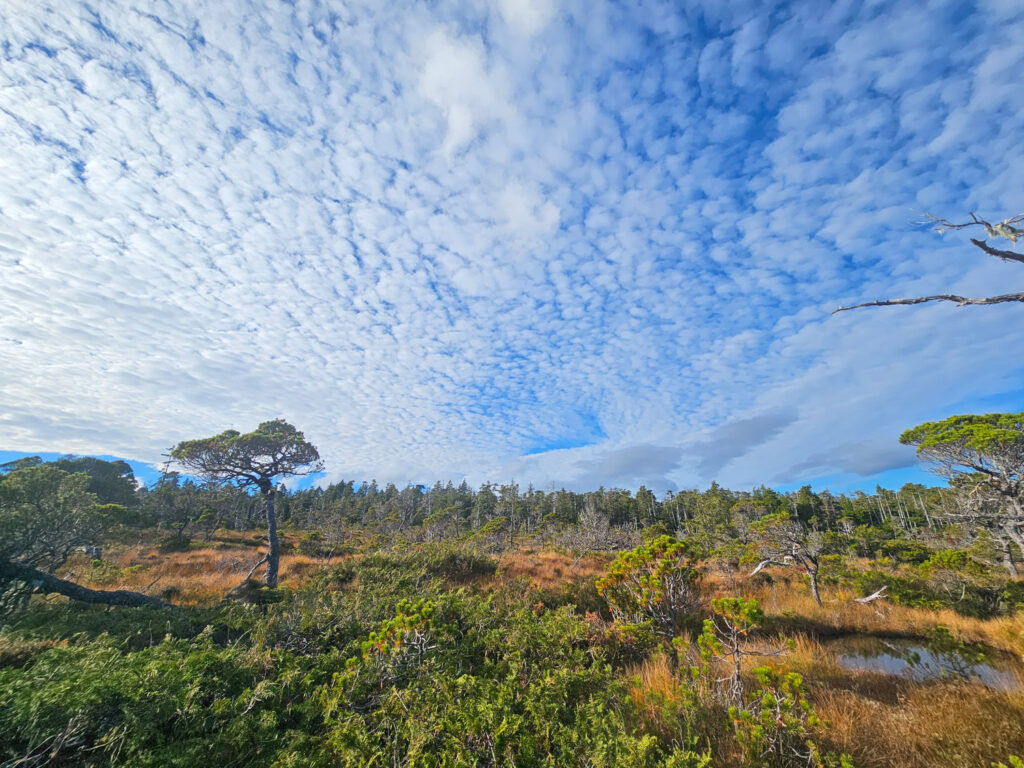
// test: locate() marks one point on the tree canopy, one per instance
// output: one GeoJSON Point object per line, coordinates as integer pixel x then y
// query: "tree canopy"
{"type": "Point", "coordinates": [275, 449]}
{"type": "Point", "coordinates": [990, 444]}
{"type": "Point", "coordinates": [983, 457]}
{"type": "Point", "coordinates": [45, 513]}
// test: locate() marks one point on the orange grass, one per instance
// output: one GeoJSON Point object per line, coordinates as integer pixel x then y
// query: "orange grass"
{"type": "Point", "coordinates": [549, 569]}
{"type": "Point", "coordinates": [880, 720]}
{"type": "Point", "coordinates": [662, 700]}
{"type": "Point", "coordinates": [197, 577]}
{"type": "Point", "coordinates": [788, 603]}
{"type": "Point", "coordinates": [203, 576]}
{"type": "Point", "coordinates": [885, 721]}
{"type": "Point", "coordinates": [933, 726]}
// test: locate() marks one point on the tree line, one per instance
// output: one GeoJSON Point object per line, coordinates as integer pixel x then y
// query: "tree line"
{"type": "Point", "coordinates": [49, 509]}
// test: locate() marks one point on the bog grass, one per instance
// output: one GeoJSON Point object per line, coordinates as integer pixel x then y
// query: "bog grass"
{"type": "Point", "coordinates": [200, 576]}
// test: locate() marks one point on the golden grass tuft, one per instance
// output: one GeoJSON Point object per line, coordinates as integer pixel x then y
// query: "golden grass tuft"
{"type": "Point", "coordinates": [549, 569]}
{"type": "Point", "coordinates": [196, 577]}
{"type": "Point", "coordinates": [892, 722]}
{"type": "Point", "coordinates": [929, 725]}
{"type": "Point", "coordinates": [654, 682]}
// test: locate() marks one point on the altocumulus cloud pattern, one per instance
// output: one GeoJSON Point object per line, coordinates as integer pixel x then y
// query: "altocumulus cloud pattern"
{"type": "Point", "coordinates": [574, 242]}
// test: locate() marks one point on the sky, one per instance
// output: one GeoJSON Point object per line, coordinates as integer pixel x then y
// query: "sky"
{"type": "Point", "coordinates": [577, 243]}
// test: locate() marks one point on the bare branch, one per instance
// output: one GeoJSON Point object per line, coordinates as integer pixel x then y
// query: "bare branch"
{"type": "Point", "coordinates": [1009, 228]}
{"type": "Point", "coordinates": [880, 594]}
{"type": "Point", "coordinates": [958, 300]}
{"type": "Point", "coordinates": [253, 569]}
{"type": "Point", "coordinates": [764, 564]}
{"type": "Point", "coordinates": [999, 253]}
{"type": "Point", "coordinates": [1006, 228]}
{"type": "Point", "coordinates": [241, 586]}
{"type": "Point", "coordinates": [945, 224]}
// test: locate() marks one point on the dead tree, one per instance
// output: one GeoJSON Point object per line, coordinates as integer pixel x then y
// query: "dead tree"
{"type": "Point", "coordinates": [780, 540]}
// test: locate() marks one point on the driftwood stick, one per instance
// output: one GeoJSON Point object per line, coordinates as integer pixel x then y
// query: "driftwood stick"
{"type": "Point", "coordinates": [871, 598]}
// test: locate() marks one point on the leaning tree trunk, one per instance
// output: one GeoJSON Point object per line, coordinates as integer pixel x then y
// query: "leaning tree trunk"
{"type": "Point", "coordinates": [274, 553]}
{"type": "Point", "coordinates": [48, 583]}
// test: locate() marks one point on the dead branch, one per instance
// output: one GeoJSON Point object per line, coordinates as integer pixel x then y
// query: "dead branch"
{"type": "Point", "coordinates": [1008, 228]}
{"type": "Point", "coordinates": [960, 301]}
{"type": "Point", "coordinates": [879, 595]}
{"type": "Point", "coordinates": [236, 590]}
{"type": "Point", "coordinates": [252, 570]}
{"type": "Point", "coordinates": [999, 253]}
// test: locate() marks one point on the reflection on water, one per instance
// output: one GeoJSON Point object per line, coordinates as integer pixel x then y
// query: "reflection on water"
{"type": "Point", "coordinates": [917, 661]}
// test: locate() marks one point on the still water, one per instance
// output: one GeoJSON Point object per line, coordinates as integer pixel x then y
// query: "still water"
{"type": "Point", "coordinates": [914, 660]}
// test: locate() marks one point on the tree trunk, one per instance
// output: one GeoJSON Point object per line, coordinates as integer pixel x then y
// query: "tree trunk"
{"type": "Point", "coordinates": [48, 583]}
{"type": "Point", "coordinates": [1011, 567]}
{"type": "Point", "coordinates": [813, 575]}
{"type": "Point", "coordinates": [274, 554]}
{"type": "Point", "coordinates": [1014, 535]}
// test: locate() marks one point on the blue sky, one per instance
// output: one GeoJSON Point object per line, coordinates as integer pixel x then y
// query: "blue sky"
{"type": "Point", "coordinates": [579, 243]}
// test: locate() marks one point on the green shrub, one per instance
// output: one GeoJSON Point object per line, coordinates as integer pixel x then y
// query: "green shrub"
{"type": "Point", "coordinates": [1011, 597]}
{"type": "Point", "coordinates": [440, 561]}
{"type": "Point", "coordinates": [775, 727]}
{"type": "Point", "coordinates": [17, 652]}
{"type": "Point", "coordinates": [174, 543]}
{"type": "Point", "coordinates": [905, 551]}
{"type": "Point", "coordinates": [581, 594]}
{"type": "Point", "coordinates": [651, 589]}
{"type": "Point", "coordinates": [955, 560]}
{"type": "Point", "coordinates": [312, 544]}
{"type": "Point", "coordinates": [177, 703]}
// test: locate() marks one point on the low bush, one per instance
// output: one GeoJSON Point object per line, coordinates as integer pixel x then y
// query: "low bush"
{"type": "Point", "coordinates": [437, 561]}
{"type": "Point", "coordinates": [175, 543]}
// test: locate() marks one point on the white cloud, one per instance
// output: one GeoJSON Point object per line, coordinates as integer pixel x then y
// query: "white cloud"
{"type": "Point", "coordinates": [447, 240]}
{"type": "Point", "coordinates": [456, 79]}
{"type": "Point", "coordinates": [525, 213]}
{"type": "Point", "coordinates": [527, 17]}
